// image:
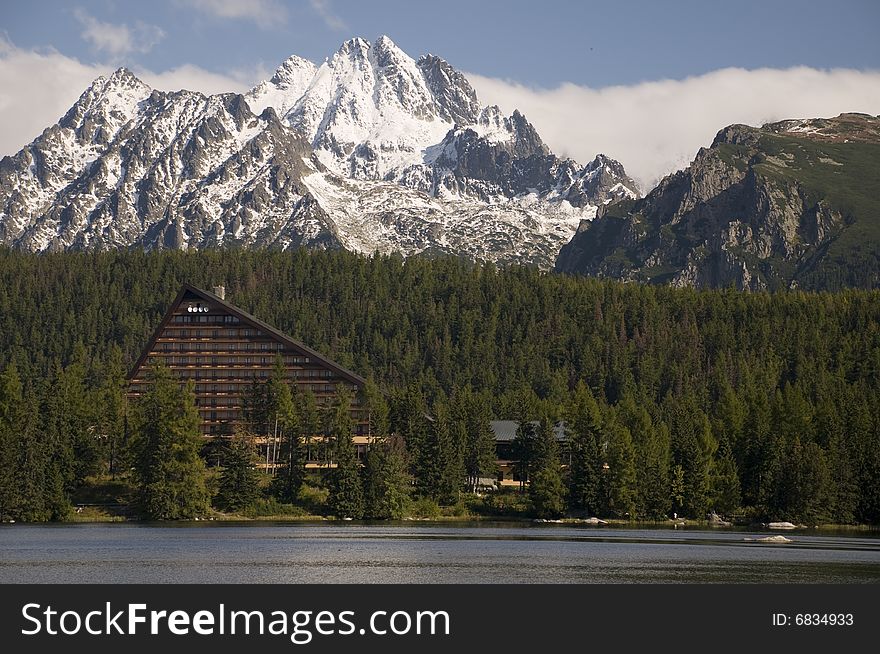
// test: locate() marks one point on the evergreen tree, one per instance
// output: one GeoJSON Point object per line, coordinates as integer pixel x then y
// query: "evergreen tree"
{"type": "Point", "coordinates": [692, 449]}
{"type": "Point", "coordinates": [78, 421]}
{"type": "Point", "coordinates": [525, 444]}
{"type": "Point", "coordinates": [377, 409]}
{"type": "Point", "coordinates": [619, 478]}
{"type": "Point", "coordinates": [584, 432]}
{"type": "Point", "coordinates": [289, 453]}
{"type": "Point", "coordinates": [725, 488]}
{"type": "Point", "coordinates": [448, 438]}
{"type": "Point", "coordinates": [651, 444]}
{"type": "Point", "coordinates": [239, 480]}
{"type": "Point", "coordinates": [409, 416]}
{"type": "Point", "coordinates": [546, 490]}
{"type": "Point", "coordinates": [803, 488]}
{"type": "Point", "coordinates": [346, 489]}
{"type": "Point", "coordinates": [472, 431]}
{"type": "Point", "coordinates": [23, 489]}
{"type": "Point", "coordinates": [387, 484]}
{"type": "Point", "coordinates": [309, 423]}
{"type": "Point", "coordinates": [113, 409]}
{"type": "Point", "coordinates": [10, 405]}
{"type": "Point", "coordinates": [170, 473]}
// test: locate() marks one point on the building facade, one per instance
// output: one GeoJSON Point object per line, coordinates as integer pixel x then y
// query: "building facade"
{"type": "Point", "coordinates": [225, 351]}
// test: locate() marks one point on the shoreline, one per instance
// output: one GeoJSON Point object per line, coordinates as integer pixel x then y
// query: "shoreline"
{"type": "Point", "coordinates": [611, 523]}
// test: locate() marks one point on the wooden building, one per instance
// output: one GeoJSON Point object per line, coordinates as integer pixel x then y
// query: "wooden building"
{"type": "Point", "coordinates": [504, 432]}
{"type": "Point", "coordinates": [225, 350]}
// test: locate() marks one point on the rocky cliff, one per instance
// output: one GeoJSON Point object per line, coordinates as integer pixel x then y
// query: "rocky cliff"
{"type": "Point", "coordinates": [793, 204]}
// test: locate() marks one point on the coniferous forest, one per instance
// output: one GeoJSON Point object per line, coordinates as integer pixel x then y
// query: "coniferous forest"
{"type": "Point", "coordinates": [674, 401]}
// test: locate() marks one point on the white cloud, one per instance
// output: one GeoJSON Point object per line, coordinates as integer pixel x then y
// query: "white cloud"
{"type": "Point", "coordinates": [325, 11]}
{"type": "Point", "coordinates": [654, 128]}
{"type": "Point", "coordinates": [265, 13]}
{"type": "Point", "coordinates": [118, 39]}
{"type": "Point", "coordinates": [37, 88]}
{"type": "Point", "coordinates": [193, 78]}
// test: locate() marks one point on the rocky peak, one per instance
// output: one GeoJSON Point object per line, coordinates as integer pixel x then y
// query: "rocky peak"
{"type": "Point", "coordinates": [526, 138]}
{"type": "Point", "coordinates": [353, 49]}
{"type": "Point", "coordinates": [294, 72]}
{"type": "Point", "coordinates": [399, 83]}
{"type": "Point", "coordinates": [736, 135]}
{"type": "Point", "coordinates": [453, 93]}
{"type": "Point", "coordinates": [104, 107]}
{"type": "Point", "coordinates": [604, 162]}
{"type": "Point", "coordinates": [237, 107]}
{"type": "Point", "coordinates": [384, 52]}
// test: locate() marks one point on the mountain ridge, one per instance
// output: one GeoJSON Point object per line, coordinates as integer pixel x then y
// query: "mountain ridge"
{"type": "Point", "coordinates": [792, 204]}
{"type": "Point", "coordinates": [370, 150]}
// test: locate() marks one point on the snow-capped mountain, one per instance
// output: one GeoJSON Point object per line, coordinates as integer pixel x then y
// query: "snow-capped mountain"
{"type": "Point", "coordinates": [371, 151]}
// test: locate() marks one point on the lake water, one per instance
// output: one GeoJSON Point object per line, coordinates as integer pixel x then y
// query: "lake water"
{"type": "Point", "coordinates": [424, 553]}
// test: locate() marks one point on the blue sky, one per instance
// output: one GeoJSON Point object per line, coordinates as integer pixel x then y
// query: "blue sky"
{"type": "Point", "coordinates": [535, 43]}
{"type": "Point", "coordinates": [645, 81]}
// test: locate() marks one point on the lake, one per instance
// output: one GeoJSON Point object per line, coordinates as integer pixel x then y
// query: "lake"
{"type": "Point", "coordinates": [260, 552]}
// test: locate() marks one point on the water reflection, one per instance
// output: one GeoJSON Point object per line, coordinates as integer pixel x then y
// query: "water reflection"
{"type": "Point", "coordinates": [423, 553]}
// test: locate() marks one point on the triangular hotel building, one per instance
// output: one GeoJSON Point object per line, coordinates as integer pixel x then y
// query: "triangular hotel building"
{"type": "Point", "coordinates": [224, 350]}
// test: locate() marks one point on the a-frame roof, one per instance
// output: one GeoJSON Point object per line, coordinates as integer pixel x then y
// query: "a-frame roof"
{"type": "Point", "coordinates": [249, 319]}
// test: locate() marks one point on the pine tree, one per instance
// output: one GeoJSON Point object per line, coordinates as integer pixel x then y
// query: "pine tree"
{"type": "Point", "coordinates": [651, 443]}
{"type": "Point", "coordinates": [23, 491]}
{"type": "Point", "coordinates": [387, 483]}
{"type": "Point", "coordinates": [448, 438]}
{"type": "Point", "coordinates": [619, 478]}
{"type": "Point", "coordinates": [239, 480]}
{"type": "Point", "coordinates": [169, 470]}
{"type": "Point", "coordinates": [112, 415]}
{"type": "Point", "coordinates": [472, 430]}
{"type": "Point", "coordinates": [38, 498]}
{"type": "Point", "coordinates": [377, 409]}
{"type": "Point", "coordinates": [410, 419]}
{"type": "Point", "coordinates": [546, 490]}
{"type": "Point", "coordinates": [584, 428]}
{"type": "Point", "coordinates": [309, 423]}
{"type": "Point", "coordinates": [10, 408]}
{"type": "Point", "coordinates": [78, 420]}
{"type": "Point", "coordinates": [524, 451]}
{"type": "Point", "coordinates": [725, 488]}
{"type": "Point", "coordinates": [346, 498]}
{"type": "Point", "coordinates": [289, 453]}
{"type": "Point", "coordinates": [693, 446]}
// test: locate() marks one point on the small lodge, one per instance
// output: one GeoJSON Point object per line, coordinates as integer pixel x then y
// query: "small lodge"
{"type": "Point", "coordinates": [225, 351]}
{"type": "Point", "coordinates": [505, 452]}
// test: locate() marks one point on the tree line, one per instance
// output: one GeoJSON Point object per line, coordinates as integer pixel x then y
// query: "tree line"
{"type": "Point", "coordinates": [674, 401]}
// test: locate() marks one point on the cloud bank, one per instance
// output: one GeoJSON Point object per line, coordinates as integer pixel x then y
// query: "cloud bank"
{"type": "Point", "coordinates": [655, 128]}
{"type": "Point", "coordinates": [37, 88]}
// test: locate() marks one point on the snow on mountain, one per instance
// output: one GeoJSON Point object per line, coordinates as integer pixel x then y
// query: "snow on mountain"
{"type": "Point", "coordinates": [371, 150]}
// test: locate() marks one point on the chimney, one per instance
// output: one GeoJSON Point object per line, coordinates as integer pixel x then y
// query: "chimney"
{"type": "Point", "coordinates": [220, 291]}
